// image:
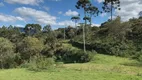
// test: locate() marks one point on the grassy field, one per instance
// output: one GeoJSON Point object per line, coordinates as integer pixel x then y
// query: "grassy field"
{"type": "Point", "coordinates": [102, 67]}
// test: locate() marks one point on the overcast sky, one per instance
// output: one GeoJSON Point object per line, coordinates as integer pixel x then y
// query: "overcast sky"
{"type": "Point", "coordinates": [58, 12]}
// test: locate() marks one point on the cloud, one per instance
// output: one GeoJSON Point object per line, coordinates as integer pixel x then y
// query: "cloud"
{"type": "Point", "coordinates": [103, 14]}
{"type": "Point", "coordinates": [18, 25]}
{"type": "Point", "coordinates": [10, 18]}
{"type": "Point", "coordinates": [1, 4]}
{"type": "Point", "coordinates": [129, 9]}
{"type": "Point", "coordinates": [66, 23]}
{"type": "Point", "coordinates": [60, 12]}
{"type": "Point", "coordinates": [93, 24]}
{"type": "Point", "coordinates": [26, 2]}
{"type": "Point", "coordinates": [71, 13]}
{"type": "Point", "coordinates": [41, 17]}
{"type": "Point", "coordinates": [99, 1]}
{"type": "Point", "coordinates": [38, 16]}
{"type": "Point", "coordinates": [55, 0]}
{"type": "Point", "coordinates": [46, 8]}
{"type": "Point", "coordinates": [140, 14]}
{"type": "Point", "coordinates": [113, 17]}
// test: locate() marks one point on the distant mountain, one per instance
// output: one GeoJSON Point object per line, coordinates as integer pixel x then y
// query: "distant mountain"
{"type": "Point", "coordinates": [21, 29]}
{"type": "Point", "coordinates": [140, 14]}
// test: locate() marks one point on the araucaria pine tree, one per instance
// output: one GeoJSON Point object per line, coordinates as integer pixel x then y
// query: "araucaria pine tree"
{"type": "Point", "coordinates": [109, 5]}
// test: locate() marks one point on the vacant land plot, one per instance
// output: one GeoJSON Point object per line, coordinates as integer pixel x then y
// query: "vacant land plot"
{"type": "Point", "coordinates": [103, 67]}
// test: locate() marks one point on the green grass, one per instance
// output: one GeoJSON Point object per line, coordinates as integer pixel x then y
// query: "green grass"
{"type": "Point", "coordinates": [102, 67]}
{"type": "Point", "coordinates": [67, 45]}
{"type": "Point", "coordinates": [64, 74]}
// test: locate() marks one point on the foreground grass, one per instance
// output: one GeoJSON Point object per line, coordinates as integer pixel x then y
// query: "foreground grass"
{"type": "Point", "coordinates": [102, 67]}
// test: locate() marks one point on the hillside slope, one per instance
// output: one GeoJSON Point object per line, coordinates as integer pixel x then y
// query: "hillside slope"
{"type": "Point", "coordinates": [102, 67]}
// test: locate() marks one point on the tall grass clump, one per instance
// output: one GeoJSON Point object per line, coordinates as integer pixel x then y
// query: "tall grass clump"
{"type": "Point", "coordinates": [39, 63]}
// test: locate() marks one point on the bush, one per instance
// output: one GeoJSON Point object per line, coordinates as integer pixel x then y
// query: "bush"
{"type": "Point", "coordinates": [73, 56]}
{"type": "Point", "coordinates": [6, 53]}
{"type": "Point", "coordinates": [39, 63]}
{"type": "Point", "coordinates": [47, 51]}
{"type": "Point", "coordinates": [45, 63]}
{"type": "Point", "coordinates": [10, 62]}
{"type": "Point", "coordinates": [140, 58]}
{"type": "Point", "coordinates": [109, 48]}
{"type": "Point", "coordinates": [30, 47]}
{"type": "Point", "coordinates": [59, 64]}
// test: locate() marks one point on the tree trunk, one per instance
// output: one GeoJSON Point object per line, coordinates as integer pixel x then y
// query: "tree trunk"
{"type": "Point", "coordinates": [111, 9]}
{"type": "Point", "coordinates": [75, 28]}
{"type": "Point", "coordinates": [1, 62]}
{"type": "Point", "coordinates": [84, 26]}
{"type": "Point", "coordinates": [90, 20]}
{"type": "Point", "coordinates": [89, 29]}
{"type": "Point", "coordinates": [64, 34]}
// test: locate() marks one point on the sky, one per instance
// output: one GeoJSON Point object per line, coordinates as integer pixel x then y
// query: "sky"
{"type": "Point", "coordinates": [58, 13]}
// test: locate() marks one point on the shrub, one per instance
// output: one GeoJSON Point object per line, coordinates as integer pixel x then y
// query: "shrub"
{"type": "Point", "coordinates": [6, 53]}
{"type": "Point", "coordinates": [72, 56]}
{"type": "Point", "coordinates": [137, 56]}
{"type": "Point", "coordinates": [140, 58]}
{"type": "Point", "coordinates": [39, 63]}
{"type": "Point", "coordinates": [30, 47]}
{"type": "Point", "coordinates": [47, 51]}
{"type": "Point", "coordinates": [44, 63]}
